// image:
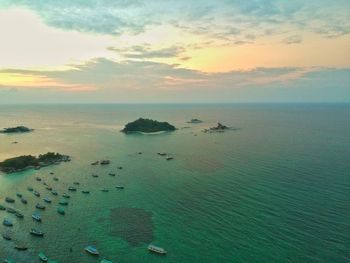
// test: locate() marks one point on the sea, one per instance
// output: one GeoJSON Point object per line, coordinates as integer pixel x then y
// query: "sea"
{"type": "Point", "coordinates": [276, 188]}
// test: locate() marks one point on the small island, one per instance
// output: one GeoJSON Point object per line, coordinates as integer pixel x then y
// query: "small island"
{"type": "Point", "coordinates": [219, 128]}
{"type": "Point", "coordinates": [24, 162]}
{"type": "Point", "coordinates": [195, 121]}
{"type": "Point", "coordinates": [18, 129]}
{"type": "Point", "coordinates": [147, 126]}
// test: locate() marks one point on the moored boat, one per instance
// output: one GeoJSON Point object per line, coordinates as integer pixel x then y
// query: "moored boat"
{"type": "Point", "coordinates": [92, 250]}
{"type": "Point", "coordinates": [2, 207]}
{"type": "Point", "coordinates": [47, 200]}
{"type": "Point", "coordinates": [7, 222]}
{"type": "Point", "coordinates": [19, 214]}
{"type": "Point", "coordinates": [36, 193]}
{"type": "Point", "coordinates": [36, 217]}
{"type": "Point", "coordinates": [63, 202]}
{"type": "Point", "coordinates": [106, 261]}
{"type": "Point", "coordinates": [61, 211]}
{"type": "Point", "coordinates": [36, 232]}
{"type": "Point", "coordinates": [72, 188]}
{"type": "Point", "coordinates": [42, 257]}
{"type": "Point", "coordinates": [11, 210]}
{"type": "Point", "coordinates": [156, 249]}
{"type": "Point", "coordinates": [24, 201]}
{"type": "Point", "coordinates": [9, 200]}
{"type": "Point", "coordinates": [19, 195]}
{"type": "Point", "coordinates": [40, 206]}
{"type": "Point", "coordinates": [6, 236]}
{"type": "Point", "coordinates": [104, 190]}
{"type": "Point", "coordinates": [119, 187]}
{"type": "Point", "coordinates": [20, 246]}
{"type": "Point", "coordinates": [85, 192]}
{"type": "Point", "coordinates": [30, 189]}
{"type": "Point", "coordinates": [54, 192]}
{"type": "Point", "coordinates": [66, 195]}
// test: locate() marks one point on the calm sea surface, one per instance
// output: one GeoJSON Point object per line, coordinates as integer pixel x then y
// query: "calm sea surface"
{"type": "Point", "coordinates": [276, 190]}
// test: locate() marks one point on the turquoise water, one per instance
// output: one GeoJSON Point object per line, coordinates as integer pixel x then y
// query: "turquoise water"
{"type": "Point", "coordinates": [276, 190]}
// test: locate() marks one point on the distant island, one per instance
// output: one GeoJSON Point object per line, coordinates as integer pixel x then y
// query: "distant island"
{"type": "Point", "coordinates": [18, 129]}
{"type": "Point", "coordinates": [21, 163]}
{"type": "Point", "coordinates": [147, 126]}
{"type": "Point", "coordinates": [195, 121]}
{"type": "Point", "coordinates": [219, 128]}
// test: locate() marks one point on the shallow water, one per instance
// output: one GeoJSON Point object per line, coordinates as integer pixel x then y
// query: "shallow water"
{"type": "Point", "coordinates": [276, 190]}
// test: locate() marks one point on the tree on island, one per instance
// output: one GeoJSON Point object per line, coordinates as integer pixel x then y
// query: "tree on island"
{"type": "Point", "coordinates": [147, 126]}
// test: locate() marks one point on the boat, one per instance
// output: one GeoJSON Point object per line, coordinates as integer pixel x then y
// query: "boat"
{"type": "Point", "coordinates": [104, 162]}
{"type": "Point", "coordinates": [61, 211]}
{"type": "Point", "coordinates": [42, 257]}
{"type": "Point", "coordinates": [92, 250]}
{"type": "Point", "coordinates": [19, 246]}
{"type": "Point", "coordinates": [120, 167]}
{"type": "Point", "coordinates": [85, 192]}
{"type": "Point", "coordinates": [55, 179]}
{"type": "Point", "coordinates": [24, 201]}
{"type": "Point", "coordinates": [49, 188]}
{"type": "Point", "coordinates": [19, 195]}
{"type": "Point", "coordinates": [106, 261]}
{"type": "Point", "coordinates": [2, 207]}
{"type": "Point", "coordinates": [36, 217]}
{"type": "Point", "coordinates": [63, 202]}
{"type": "Point", "coordinates": [19, 214]}
{"type": "Point", "coordinates": [11, 210]}
{"type": "Point", "coordinates": [40, 206]}
{"type": "Point", "coordinates": [7, 222]}
{"type": "Point", "coordinates": [6, 236]}
{"type": "Point", "coordinates": [76, 183]}
{"type": "Point", "coordinates": [47, 200]}
{"type": "Point", "coordinates": [162, 154]}
{"type": "Point", "coordinates": [36, 232]}
{"type": "Point", "coordinates": [66, 195]}
{"type": "Point", "coordinates": [156, 249]}
{"type": "Point", "coordinates": [95, 163]}
{"type": "Point", "coordinates": [104, 190]}
{"type": "Point", "coordinates": [9, 200]}
{"type": "Point", "coordinates": [94, 175]}
{"type": "Point", "coordinates": [71, 188]}
{"type": "Point", "coordinates": [52, 173]}
{"type": "Point", "coordinates": [36, 193]}
{"type": "Point", "coordinates": [54, 192]}
{"type": "Point", "coordinates": [169, 158]}
{"type": "Point", "coordinates": [30, 189]}
{"type": "Point", "coordinates": [111, 174]}
{"type": "Point", "coordinates": [44, 183]}
{"type": "Point", "coordinates": [38, 179]}
{"type": "Point", "coordinates": [119, 187]}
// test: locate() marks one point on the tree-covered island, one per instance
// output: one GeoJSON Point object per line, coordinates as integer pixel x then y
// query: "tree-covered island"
{"type": "Point", "coordinates": [147, 126]}
{"type": "Point", "coordinates": [18, 129]}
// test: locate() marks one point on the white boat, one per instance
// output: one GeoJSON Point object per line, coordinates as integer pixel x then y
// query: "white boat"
{"type": "Point", "coordinates": [92, 250]}
{"type": "Point", "coordinates": [157, 250]}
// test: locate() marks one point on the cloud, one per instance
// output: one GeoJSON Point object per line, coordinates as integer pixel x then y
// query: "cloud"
{"type": "Point", "coordinates": [145, 52]}
{"type": "Point", "coordinates": [295, 39]}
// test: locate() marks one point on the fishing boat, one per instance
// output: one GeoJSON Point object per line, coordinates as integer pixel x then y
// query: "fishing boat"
{"type": "Point", "coordinates": [36, 232]}
{"type": "Point", "coordinates": [92, 250]}
{"type": "Point", "coordinates": [76, 183]}
{"type": "Point", "coordinates": [72, 188]}
{"type": "Point", "coordinates": [55, 179]}
{"type": "Point", "coordinates": [85, 192]}
{"type": "Point", "coordinates": [104, 190]}
{"type": "Point", "coordinates": [36, 217]}
{"type": "Point", "coordinates": [111, 174]}
{"type": "Point", "coordinates": [119, 187]}
{"type": "Point", "coordinates": [42, 257]}
{"type": "Point", "coordinates": [49, 188]}
{"type": "Point", "coordinates": [19, 246]}
{"type": "Point", "coordinates": [169, 158]}
{"type": "Point", "coordinates": [47, 200]}
{"type": "Point", "coordinates": [94, 175]}
{"type": "Point", "coordinates": [120, 167]}
{"type": "Point", "coordinates": [38, 179]}
{"type": "Point", "coordinates": [61, 211]}
{"type": "Point", "coordinates": [63, 202]}
{"type": "Point", "coordinates": [30, 189]}
{"type": "Point", "coordinates": [24, 201]}
{"type": "Point", "coordinates": [6, 236]}
{"type": "Point", "coordinates": [66, 195]}
{"type": "Point", "coordinates": [2, 207]}
{"type": "Point", "coordinates": [155, 249]}
{"type": "Point", "coordinates": [19, 214]}
{"type": "Point", "coordinates": [106, 261]}
{"type": "Point", "coordinates": [54, 192]}
{"type": "Point", "coordinates": [19, 195]}
{"type": "Point", "coordinates": [11, 210]}
{"type": "Point", "coordinates": [9, 200]}
{"type": "Point", "coordinates": [40, 206]}
{"type": "Point", "coordinates": [7, 222]}
{"type": "Point", "coordinates": [105, 162]}
{"type": "Point", "coordinates": [95, 163]}
{"type": "Point", "coordinates": [36, 193]}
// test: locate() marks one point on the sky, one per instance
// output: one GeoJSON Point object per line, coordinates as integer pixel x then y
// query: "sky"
{"type": "Point", "coordinates": [161, 51]}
